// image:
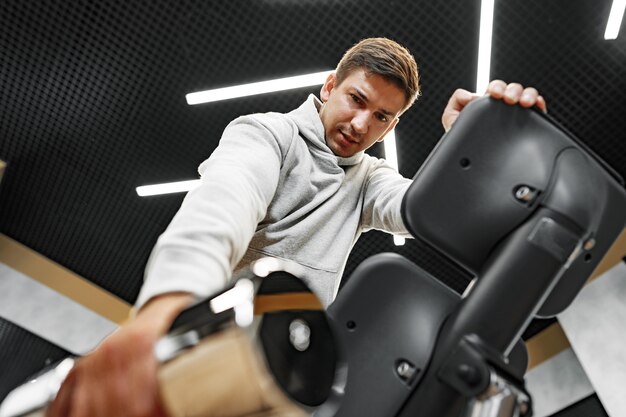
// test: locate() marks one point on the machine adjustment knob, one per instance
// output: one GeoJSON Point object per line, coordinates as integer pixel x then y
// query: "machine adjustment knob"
{"type": "Point", "coordinates": [468, 374]}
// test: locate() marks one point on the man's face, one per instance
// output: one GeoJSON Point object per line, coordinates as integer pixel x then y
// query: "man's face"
{"type": "Point", "coordinates": [359, 112]}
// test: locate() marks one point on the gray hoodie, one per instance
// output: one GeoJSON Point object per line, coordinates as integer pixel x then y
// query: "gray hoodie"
{"type": "Point", "coordinates": [274, 188]}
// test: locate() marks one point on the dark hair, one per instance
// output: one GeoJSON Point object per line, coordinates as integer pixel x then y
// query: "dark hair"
{"type": "Point", "coordinates": [384, 57]}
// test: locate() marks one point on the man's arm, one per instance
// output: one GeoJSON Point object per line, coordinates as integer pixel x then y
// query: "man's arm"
{"type": "Point", "coordinates": [210, 233]}
{"type": "Point", "coordinates": [195, 256]}
{"type": "Point", "coordinates": [382, 199]}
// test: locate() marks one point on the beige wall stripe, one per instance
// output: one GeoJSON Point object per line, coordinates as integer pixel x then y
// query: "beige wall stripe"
{"type": "Point", "coordinates": [612, 258]}
{"type": "Point", "coordinates": [293, 301]}
{"type": "Point", "coordinates": [3, 165]}
{"type": "Point", "coordinates": [551, 341]}
{"type": "Point", "coordinates": [62, 280]}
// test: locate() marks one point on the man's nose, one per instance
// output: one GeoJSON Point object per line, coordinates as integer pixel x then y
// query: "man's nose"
{"type": "Point", "coordinates": [360, 122]}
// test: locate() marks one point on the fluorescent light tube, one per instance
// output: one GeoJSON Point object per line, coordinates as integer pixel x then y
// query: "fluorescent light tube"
{"type": "Point", "coordinates": [167, 188]}
{"type": "Point", "coordinates": [615, 19]}
{"type": "Point", "coordinates": [484, 46]}
{"type": "Point", "coordinates": [262, 87]}
{"type": "Point", "coordinates": [391, 157]}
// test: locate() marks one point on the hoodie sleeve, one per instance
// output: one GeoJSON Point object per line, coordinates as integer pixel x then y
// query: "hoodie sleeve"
{"type": "Point", "coordinates": [382, 200]}
{"type": "Point", "coordinates": [211, 231]}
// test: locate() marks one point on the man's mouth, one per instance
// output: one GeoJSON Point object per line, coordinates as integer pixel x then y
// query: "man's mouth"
{"type": "Point", "coordinates": [348, 137]}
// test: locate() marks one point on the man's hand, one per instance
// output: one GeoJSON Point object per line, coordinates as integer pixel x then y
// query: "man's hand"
{"type": "Point", "coordinates": [512, 93]}
{"type": "Point", "coordinates": [120, 377]}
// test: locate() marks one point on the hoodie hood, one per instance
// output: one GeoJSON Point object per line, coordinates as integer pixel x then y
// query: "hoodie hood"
{"type": "Point", "coordinates": [307, 118]}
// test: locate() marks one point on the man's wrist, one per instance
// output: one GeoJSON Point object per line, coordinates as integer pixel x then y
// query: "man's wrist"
{"type": "Point", "coordinates": [159, 312]}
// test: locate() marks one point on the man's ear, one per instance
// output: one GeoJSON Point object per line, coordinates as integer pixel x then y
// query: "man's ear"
{"type": "Point", "coordinates": [328, 86]}
{"type": "Point", "coordinates": [393, 124]}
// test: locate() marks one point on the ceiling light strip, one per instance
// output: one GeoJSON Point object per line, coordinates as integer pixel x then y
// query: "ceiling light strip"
{"type": "Point", "coordinates": [615, 19]}
{"type": "Point", "coordinates": [167, 188]}
{"type": "Point", "coordinates": [484, 45]}
{"type": "Point", "coordinates": [391, 156]}
{"type": "Point", "coordinates": [262, 87]}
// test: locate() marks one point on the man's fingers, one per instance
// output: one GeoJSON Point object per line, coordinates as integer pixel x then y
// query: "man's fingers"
{"type": "Point", "coordinates": [460, 99]}
{"type": "Point", "coordinates": [513, 93]}
{"type": "Point", "coordinates": [529, 97]}
{"type": "Point", "coordinates": [105, 373]}
{"type": "Point", "coordinates": [496, 88]}
{"type": "Point", "coordinates": [141, 379]}
{"type": "Point", "coordinates": [60, 407]}
{"type": "Point", "coordinates": [541, 103]}
{"type": "Point", "coordinates": [118, 387]}
{"type": "Point", "coordinates": [88, 399]}
{"type": "Point", "coordinates": [81, 405]}
{"type": "Point", "coordinates": [525, 97]}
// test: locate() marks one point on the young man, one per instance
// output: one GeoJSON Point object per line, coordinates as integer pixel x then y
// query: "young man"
{"type": "Point", "coordinates": [295, 186]}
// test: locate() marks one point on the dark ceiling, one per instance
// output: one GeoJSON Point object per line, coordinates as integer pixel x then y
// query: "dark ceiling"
{"type": "Point", "coordinates": [92, 102]}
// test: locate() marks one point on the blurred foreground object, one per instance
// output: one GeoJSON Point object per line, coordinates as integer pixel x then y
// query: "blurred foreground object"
{"type": "Point", "coordinates": [263, 346]}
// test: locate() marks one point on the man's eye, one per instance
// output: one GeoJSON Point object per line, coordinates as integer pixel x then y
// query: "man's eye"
{"type": "Point", "coordinates": [355, 98]}
{"type": "Point", "coordinates": [382, 118]}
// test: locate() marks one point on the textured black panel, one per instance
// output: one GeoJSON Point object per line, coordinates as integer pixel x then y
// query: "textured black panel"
{"type": "Point", "coordinates": [21, 355]}
{"type": "Point", "coordinates": [588, 407]}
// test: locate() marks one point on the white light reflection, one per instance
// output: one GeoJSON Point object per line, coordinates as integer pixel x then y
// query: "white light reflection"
{"type": "Point", "coordinates": [391, 156]}
{"type": "Point", "coordinates": [167, 188]}
{"type": "Point", "coordinates": [615, 19]}
{"type": "Point", "coordinates": [240, 294]}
